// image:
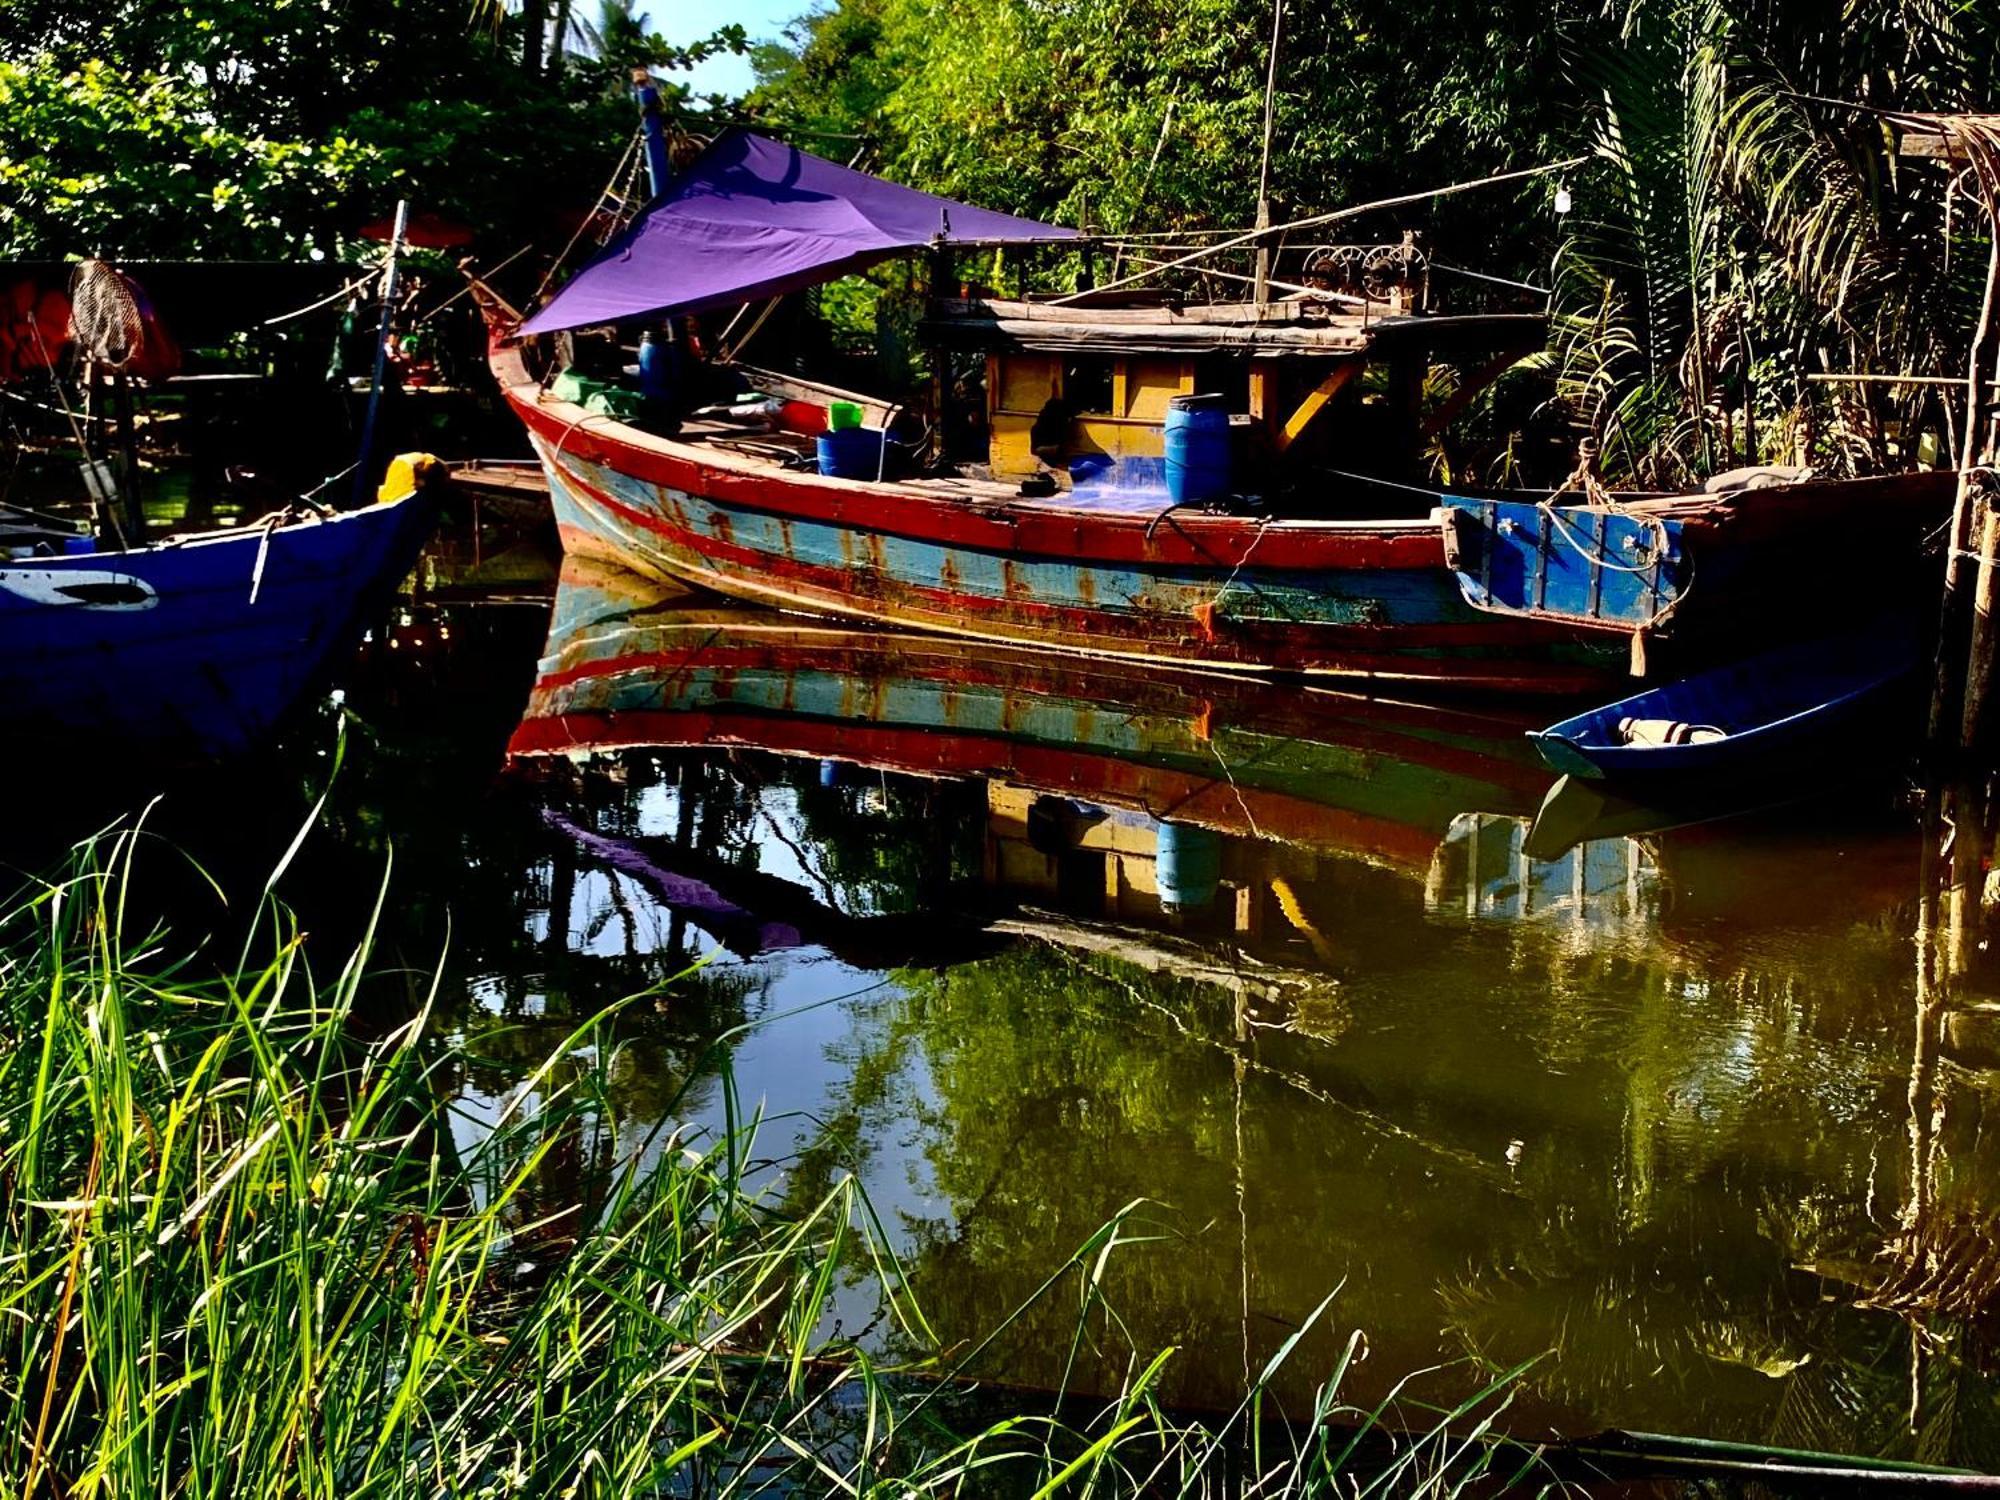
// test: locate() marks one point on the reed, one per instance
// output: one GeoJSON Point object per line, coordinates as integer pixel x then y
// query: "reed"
{"type": "Point", "coordinates": [247, 1249]}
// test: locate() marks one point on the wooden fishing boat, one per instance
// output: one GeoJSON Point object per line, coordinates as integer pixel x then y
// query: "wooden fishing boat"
{"type": "Point", "coordinates": [194, 646]}
{"type": "Point", "coordinates": [1069, 531]}
{"type": "Point", "coordinates": [1788, 717]}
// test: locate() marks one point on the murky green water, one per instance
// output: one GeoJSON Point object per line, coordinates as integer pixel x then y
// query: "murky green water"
{"type": "Point", "coordinates": [1024, 941]}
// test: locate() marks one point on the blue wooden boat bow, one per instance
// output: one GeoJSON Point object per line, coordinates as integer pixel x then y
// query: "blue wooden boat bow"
{"type": "Point", "coordinates": [195, 646]}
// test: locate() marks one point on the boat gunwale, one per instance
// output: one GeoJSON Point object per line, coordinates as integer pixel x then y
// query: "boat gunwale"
{"type": "Point", "coordinates": [956, 501]}
{"type": "Point", "coordinates": [260, 529]}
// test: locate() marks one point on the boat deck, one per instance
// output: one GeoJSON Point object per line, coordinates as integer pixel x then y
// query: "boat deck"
{"type": "Point", "coordinates": [798, 452]}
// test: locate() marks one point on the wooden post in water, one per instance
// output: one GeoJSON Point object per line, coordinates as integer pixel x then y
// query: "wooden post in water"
{"type": "Point", "coordinates": [1946, 700]}
{"type": "Point", "coordinates": [1974, 731]}
{"type": "Point", "coordinates": [1976, 496]}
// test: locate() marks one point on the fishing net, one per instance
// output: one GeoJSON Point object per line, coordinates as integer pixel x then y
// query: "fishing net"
{"type": "Point", "coordinates": [105, 316]}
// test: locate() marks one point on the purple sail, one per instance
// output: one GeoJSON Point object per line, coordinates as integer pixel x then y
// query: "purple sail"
{"type": "Point", "coordinates": [751, 218]}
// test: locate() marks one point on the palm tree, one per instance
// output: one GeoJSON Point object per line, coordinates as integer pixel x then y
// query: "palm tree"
{"type": "Point", "coordinates": [1747, 226]}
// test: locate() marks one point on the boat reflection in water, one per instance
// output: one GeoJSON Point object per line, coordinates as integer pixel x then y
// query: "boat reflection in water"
{"type": "Point", "coordinates": [1294, 968]}
{"type": "Point", "coordinates": [1488, 864]}
{"type": "Point", "coordinates": [1187, 802]}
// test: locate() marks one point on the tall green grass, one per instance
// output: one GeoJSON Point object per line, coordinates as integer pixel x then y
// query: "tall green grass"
{"type": "Point", "coordinates": [247, 1250]}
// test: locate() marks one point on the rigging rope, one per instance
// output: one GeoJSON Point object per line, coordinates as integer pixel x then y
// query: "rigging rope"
{"type": "Point", "coordinates": [608, 192]}
{"type": "Point", "coordinates": [1329, 218]}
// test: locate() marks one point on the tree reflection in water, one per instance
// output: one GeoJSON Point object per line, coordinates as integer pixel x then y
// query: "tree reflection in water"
{"type": "Point", "coordinates": [1659, 1104]}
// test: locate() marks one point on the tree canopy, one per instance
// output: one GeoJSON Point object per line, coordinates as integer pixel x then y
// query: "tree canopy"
{"type": "Point", "coordinates": [1739, 224]}
{"type": "Point", "coordinates": [222, 128]}
{"type": "Point", "coordinates": [1742, 221]}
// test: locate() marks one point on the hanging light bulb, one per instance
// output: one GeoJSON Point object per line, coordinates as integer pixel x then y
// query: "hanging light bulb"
{"type": "Point", "coordinates": [1563, 200]}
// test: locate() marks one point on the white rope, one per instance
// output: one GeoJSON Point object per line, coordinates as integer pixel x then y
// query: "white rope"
{"type": "Point", "coordinates": [1320, 292]}
{"type": "Point", "coordinates": [733, 352]}
{"type": "Point", "coordinates": [299, 312]}
{"type": "Point", "coordinates": [466, 290]}
{"type": "Point", "coordinates": [1562, 530]}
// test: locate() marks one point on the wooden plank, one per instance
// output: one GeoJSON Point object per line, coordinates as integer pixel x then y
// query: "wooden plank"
{"type": "Point", "coordinates": [1264, 392]}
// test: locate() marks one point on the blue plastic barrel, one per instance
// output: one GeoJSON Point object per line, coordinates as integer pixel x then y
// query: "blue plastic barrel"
{"type": "Point", "coordinates": [851, 453]}
{"type": "Point", "coordinates": [1197, 442]}
{"type": "Point", "coordinates": [1187, 866]}
{"type": "Point", "coordinates": [657, 373]}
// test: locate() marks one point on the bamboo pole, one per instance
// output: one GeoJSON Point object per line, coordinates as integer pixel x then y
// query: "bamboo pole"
{"type": "Point", "coordinates": [1982, 429]}
{"type": "Point", "coordinates": [1264, 167]}
{"type": "Point", "coordinates": [1946, 700]}
{"type": "Point", "coordinates": [128, 450]}
{"type": "Point", "coordinates": [1973, 730]}
{"type": "Point", "coordinates": [364, 466]}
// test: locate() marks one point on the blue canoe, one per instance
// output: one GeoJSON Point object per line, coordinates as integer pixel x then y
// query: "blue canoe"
{"type": "Point", "coordinates": [195, 646]}
{"type": "Point", "coordinates": [1793, 713]}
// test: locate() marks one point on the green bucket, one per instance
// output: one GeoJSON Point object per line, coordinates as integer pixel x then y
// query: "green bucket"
{"type": "Point", "coordinates": [841, 415]}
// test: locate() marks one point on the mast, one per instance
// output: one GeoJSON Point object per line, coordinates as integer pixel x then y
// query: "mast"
{"type": "Point", "coordinates": [364, 471]}
{"type": "Point", "coordinates": [1264, 168]}
{"type": "Point", "coordinates": [659, 167]}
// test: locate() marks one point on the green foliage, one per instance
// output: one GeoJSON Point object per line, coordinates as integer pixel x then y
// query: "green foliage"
{"type": "Point", "coordinates": [90, 158]}
{"type": "Point", "coordinates": [1734, 233]}
{"type": "Point", "coordinates": [1136, 117]}
{"type": "Point", "coordinates": [1744, 228]}
{"type": "Point", "coordinates": [247, 1247]}
{"type": "Point", "coordinates": [219, 128]}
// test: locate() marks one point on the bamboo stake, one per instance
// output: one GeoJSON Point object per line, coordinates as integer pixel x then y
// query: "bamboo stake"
{"type": "Point", "coordinates": [1983, 427]}
{"type": "Point", "coordinates": [1945, 698]}
{"type": "Point", "coordinates": [364, 468]}
{"type": "Point", "coordinates": [1979, 654]}
{"type": "Point", "coordinates": [1264, 168]}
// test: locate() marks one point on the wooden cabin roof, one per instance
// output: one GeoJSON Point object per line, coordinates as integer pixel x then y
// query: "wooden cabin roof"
{"type": "Point", "coordinates": [1291, 325]}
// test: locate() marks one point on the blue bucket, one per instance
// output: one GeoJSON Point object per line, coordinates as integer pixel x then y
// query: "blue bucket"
{"type": "Point", "coordinates": [1197, 444]}
{"type": "Point", "coordinates": [851, 453]}
{"type": "Point", "coordinates": [1187, 866]}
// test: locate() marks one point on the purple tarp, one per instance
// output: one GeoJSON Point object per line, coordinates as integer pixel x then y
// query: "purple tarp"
{"type": "Point", "coordinates": [751, 218]}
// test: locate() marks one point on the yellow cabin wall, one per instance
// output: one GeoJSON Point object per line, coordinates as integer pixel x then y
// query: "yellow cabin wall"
{"type": "Point", "coordinates": [1019, 385]}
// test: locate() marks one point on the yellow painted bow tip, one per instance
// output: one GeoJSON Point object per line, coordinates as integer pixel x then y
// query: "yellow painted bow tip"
{"type": "Point", "coordinates": [408, 473]}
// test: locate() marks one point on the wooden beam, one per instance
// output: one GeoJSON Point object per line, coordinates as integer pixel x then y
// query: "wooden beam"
{"type": "Point", "coordinates": [1315, 402]}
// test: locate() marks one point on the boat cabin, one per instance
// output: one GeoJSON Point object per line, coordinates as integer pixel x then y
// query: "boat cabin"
{"type": "Point", "coordinates": [1089, 381]}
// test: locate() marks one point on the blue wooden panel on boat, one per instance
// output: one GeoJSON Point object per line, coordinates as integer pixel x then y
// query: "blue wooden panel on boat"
{"type": "Point", "coordinates": [1611, 568]}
